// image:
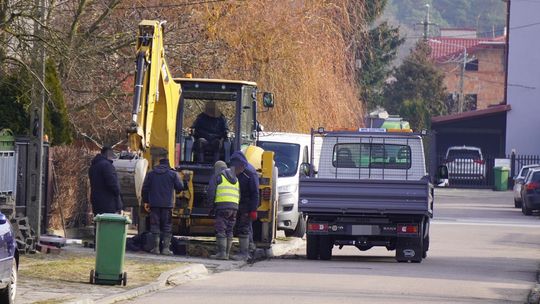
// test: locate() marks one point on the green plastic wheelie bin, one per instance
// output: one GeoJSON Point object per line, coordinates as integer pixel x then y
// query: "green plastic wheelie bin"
{"type": "Point", "coordinates": [501, 178]}
{"type": "Point", "coordinates": [111, 235]}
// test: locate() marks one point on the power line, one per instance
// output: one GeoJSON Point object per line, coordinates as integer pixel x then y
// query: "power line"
{"type": "Point", "coordinates": [172, 5]}
{"type": "Point", "coordinates": [481, 33]}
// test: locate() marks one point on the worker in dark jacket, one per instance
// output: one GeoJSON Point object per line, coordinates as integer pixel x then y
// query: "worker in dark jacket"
{"type": "Point", "coordinates": [158, 197]}
{"type": "Point", "coordinates": [104, 187]}
{"type": "Point", "coordinates": [210, 130]}
{"type": "Point", "coordinates": [249, 201]}
{"type": "Point", "coordinates": [224, 193]}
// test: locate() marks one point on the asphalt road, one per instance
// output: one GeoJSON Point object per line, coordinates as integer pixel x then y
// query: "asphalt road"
{"type": "Point", "coordinates": [482, 251]}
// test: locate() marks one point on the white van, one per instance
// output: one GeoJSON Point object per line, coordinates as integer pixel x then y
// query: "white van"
{"type": "Point", "coordinates": [291, 150]}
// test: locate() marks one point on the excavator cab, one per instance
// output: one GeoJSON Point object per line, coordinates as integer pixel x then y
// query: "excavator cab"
{"type": "Point", "coordinates": [215, 118]}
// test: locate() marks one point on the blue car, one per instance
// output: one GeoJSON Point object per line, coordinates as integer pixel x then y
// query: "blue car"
{"type": "Point", "coordinates": [9, 262]}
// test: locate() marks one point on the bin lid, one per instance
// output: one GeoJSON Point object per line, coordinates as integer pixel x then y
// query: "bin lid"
{"type": "Point", "coordinates": [501, 168]}
{"type": "Point", "coordinates": [7, 140]}
{"type": "Point", "coordinates": [112, 217]}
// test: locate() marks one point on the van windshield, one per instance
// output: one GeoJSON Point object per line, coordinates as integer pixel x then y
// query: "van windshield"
{"type": "Point", "coordinates": [286, 156]}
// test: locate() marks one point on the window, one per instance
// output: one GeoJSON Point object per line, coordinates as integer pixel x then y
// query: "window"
{"type": "Point", "coordinates": [286, 156]}
{"type": "Point", "coordinates": [365, 155]}
{"type": "Point", "coordinates": [463, 154]}
{"type": "Point", "coordinates": [305, 158]}
{"type": "Point", "coordinates": [472, 65]}
{"type": "Point", "coordinates": [471, 101]}
{"type": "Point", "coordinates": [247, 117]}
{"type": "Point", "coordinates": [536, 177]}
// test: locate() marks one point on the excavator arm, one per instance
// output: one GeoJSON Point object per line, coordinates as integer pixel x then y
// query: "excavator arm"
{"type": "Point", "coordinates": [155, 96]}
{"type": "Point", "coordinates": [153, 116]}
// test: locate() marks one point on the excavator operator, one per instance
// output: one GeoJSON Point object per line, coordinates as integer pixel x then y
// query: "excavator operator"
{"type": "Point", "coordinates": [210, 130]}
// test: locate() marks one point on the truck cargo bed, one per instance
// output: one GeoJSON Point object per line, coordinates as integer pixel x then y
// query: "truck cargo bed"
{"type": "Point", "coordinates": [353, 196]}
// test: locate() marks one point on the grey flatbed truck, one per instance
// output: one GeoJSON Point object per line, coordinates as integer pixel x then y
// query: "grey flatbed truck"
{"type": "Point", "coordinates": [367, 188]}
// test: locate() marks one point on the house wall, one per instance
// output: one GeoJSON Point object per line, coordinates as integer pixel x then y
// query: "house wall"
{"type": "Point", "coordinates": [523, 92]}
{"type": "Point", "coordinates": [487, 83]}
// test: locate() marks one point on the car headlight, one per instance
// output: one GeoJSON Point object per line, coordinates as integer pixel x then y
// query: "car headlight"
{"type": "Point", "coordinates": [287, 188]}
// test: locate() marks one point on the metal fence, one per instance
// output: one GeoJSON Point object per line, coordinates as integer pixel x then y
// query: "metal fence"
{"type": "Point", "coordinates": [518, 161]}
{"type": "Point", "coordinates": [469, 172]}
{"type": "Point", "coordinates": [479, 173]}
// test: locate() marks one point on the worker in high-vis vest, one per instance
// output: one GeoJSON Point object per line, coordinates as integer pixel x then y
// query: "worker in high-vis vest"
{"type": "Point", "coordinates": [224, 193]}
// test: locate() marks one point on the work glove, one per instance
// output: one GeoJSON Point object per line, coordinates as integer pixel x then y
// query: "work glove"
{"type": "Point", "coordinates": [147, 207]}
{"type": "Point", "coordinates": [253, 215]}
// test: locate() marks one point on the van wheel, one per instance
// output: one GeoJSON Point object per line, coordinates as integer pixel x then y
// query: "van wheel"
{"type": "Point", "coordinates": [300, 229]}
{"type": "Point", "coordinates": [325, 247]}
{"type": "Point", "coordinates": [289, 233]}
{"type": "Point", "coordinates": [312, 247]}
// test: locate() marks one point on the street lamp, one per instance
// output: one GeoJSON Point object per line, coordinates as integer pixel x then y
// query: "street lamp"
{"type": "Point", "coordinates": [463, 65]}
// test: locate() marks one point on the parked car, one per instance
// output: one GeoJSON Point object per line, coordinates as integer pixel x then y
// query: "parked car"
{"type": "Point", "coordinates": [530, 192]}
{"type": "Point", "coordinates": [465, 163]}
{"type": "Point", "coordinates": [518, 183]}
{"type": "Point", "coordinates": [291, 150]}
{"type": "Point", "coordinates": [9, 262]}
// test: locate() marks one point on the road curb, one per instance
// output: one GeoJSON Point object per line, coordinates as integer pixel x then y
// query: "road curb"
{"type": "Point", "coordinates": [534, 295]}
{"type": "Point", "coordinates": [166, 280]}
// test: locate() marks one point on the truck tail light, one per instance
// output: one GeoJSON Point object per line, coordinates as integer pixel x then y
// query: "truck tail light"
{"type": "Point", "coordinates": [266, 194]}
{"type": "Point", "coordinates": [318, 227]}
{"type": "Point", "coordinates": [532, 185]}
{"type": "Point", "coordinates": [407, 229]}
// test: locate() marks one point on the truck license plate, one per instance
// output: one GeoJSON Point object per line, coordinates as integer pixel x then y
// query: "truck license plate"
{"type": "Point", "coordinates": [365, 230]}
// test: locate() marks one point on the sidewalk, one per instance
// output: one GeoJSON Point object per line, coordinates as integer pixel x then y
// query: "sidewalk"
{"type": "Point", "coordinates": [63, 278]}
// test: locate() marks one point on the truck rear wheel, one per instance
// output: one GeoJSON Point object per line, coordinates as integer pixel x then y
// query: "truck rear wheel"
{"type": "Point", "coordinates": [312, 247]}
{"type": "Point", "coordinates": [325, 247]}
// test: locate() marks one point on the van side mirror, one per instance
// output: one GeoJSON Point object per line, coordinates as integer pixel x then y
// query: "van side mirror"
{"type": "Point", "coordinates": [260, 127]}
{"type": "Point", "coordinates": [3, 219]}
{"type": "Point", "coordinates": [305, 169]}
{"type": "Point", "coordinates": [268, 100]}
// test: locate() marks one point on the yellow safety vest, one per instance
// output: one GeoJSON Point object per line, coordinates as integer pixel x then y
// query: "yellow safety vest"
{"type": "Point", "coordinates": [227, 192]}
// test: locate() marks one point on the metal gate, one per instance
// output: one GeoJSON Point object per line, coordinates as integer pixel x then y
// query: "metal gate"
{"type": "Point", "coordinates": [467, 171]}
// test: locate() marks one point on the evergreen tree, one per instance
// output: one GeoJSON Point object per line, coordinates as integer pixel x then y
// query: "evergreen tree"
{"type": "Point", "coordinates": [376, 55]}
{"type": "Point", "coordinates": [15, 99]}
{"type": "Point", "coordinates": [57, 124]}
{"type": "Point", "coordinates": [418, 90]}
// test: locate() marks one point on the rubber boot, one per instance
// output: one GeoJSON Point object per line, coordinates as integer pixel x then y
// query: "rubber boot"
{"type": "Point", "coordinates": [155, 250]}
{"type": "Point", "coordinates": [167, 244]}
{"type": "Point", "coordinates": [221, 244]}
{"type": "Point", "coordinates": [228, 248]}
{"type": "Point", "coordinates": [243, 255]}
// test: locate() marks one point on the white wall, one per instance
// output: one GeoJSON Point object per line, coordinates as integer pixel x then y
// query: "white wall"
{"type": "Point", "coordinates": [523, 121]}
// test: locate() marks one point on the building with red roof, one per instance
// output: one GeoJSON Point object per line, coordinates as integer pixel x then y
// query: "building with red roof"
{"type": "Point", "coordinates": [484, 76]}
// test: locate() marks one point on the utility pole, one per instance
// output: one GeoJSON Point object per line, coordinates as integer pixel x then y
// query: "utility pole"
{"type": "Point", "coordinates": [426, 23]}
{"type": "Point", "coordinates": [463, 67]}
{"type": "Point", "coordinates": [461, 100]}
{"type": "Point", "coordinates": [36, 153]}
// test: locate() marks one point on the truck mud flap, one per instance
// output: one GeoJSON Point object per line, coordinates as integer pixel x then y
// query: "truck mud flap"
{"type": "Point", "coordinates": [409, 249]}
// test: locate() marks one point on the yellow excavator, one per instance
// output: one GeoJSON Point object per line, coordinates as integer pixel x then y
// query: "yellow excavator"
{"type": "Point", "coordinates": [163, 114]}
